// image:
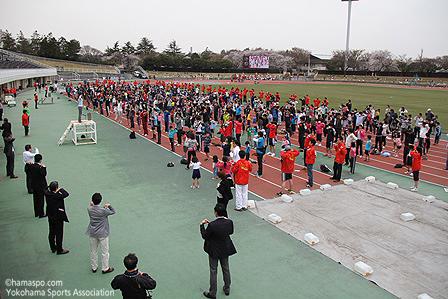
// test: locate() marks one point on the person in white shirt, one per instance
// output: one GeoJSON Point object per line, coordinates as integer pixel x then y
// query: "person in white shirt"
{"type": "Point", "coordinates": [348, 141]}
{"type": "Point", "coordinates": [119, 112]}
{"type": "Point", "coordinates": [80, 105]}
{"type": "Point", "coordinates": [196, 172]}
{"type": "Point", "coordinates": [418, 122]}
{"type": "Point", "coordinates": [235, 153]}
{"type": "Point", "coordinates": [28, 159]}
{"type": "Point", "coordinates": [424, 129]}
{"type": "Point", "coordinates": [360, 119]}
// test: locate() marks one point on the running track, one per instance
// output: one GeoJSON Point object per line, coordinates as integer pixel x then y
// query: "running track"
{"type": "Point", "coordinates": [270, 183]}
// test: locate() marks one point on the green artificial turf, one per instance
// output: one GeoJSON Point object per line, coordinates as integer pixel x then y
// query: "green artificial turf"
{"type": "Point", "coordinates": [414, 100]}
{"type": "Point", "coordinates": [157, 217]}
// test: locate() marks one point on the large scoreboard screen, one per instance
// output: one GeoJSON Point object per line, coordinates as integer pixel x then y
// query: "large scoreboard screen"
{"type": "Point", "coordinates": [256, 62]}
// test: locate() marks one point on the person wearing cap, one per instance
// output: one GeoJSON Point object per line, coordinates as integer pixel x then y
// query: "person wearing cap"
{"type": "Point", "coordinates": [288, 158]}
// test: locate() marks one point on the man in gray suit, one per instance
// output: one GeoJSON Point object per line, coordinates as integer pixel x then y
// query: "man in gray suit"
{"type": "Point", "coordinates": [98, 231]}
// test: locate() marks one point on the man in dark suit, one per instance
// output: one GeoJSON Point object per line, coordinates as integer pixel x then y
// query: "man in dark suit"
{"type": "Point", "coordinates": [38, 173]}
{"type": "Point", "coordinates": [9, 152]}
{"type": "Point", "coordinates": [28, 160]}
{"type": "Point", "coordinates": [6, 127]}
{"type": "Point", "coordinates": [219, 246]}
{"type": "Point", "coordinates": [56, 216]}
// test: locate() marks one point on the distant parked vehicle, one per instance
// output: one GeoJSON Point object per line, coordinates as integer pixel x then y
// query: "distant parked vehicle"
{"type": "Point", "coordinates": [139, 74]}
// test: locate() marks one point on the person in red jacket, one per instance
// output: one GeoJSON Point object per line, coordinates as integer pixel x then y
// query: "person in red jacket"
{"type": "Point", "coordinates": [310, 160]}
{"type": "Point", "coordinates": [36, 98]}
{"type": "Point", "coordinates": [288, 160]}
{"type": "Point", "coordinates": [272, 138]}
{"type": "Point", "coordinates": [241, 171]}
{"type": "Point", "coordinates": [228, 130]}
{"type": "Point", "coordinates": [238, 128]}
{"type": "Point", "coordinates": [416, 166]}
{"type": "Point", "coordinates": [339, 159]}
{"type": "Point", "coordinates": [144, 116]}
{"type": "Point", "coordinates": [309, 136]}
{"type": "Point", "coordinates": [25, 121]}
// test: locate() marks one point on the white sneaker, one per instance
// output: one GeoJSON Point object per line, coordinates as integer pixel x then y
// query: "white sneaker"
{"type": "Point", "coordinates": [268, 153]}
{"type": "Point", "coordinates": [413, 189]}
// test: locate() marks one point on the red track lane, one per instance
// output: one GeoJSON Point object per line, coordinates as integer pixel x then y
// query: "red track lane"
{"type": "Point", "coordinates": [275, 82]}
{"type": "Point", "coordinates": [270, 183]}
{"type": "Point", "coordinates": [432, 169]}
{"type": "Point", "coordinates": [266, 187]}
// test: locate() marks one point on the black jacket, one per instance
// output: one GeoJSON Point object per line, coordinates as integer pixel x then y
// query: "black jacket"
{"type": "Point", "coordinates": [38, 174]}
{"type": "Point", "coordinates": [9, 146]}
{"type": "Point", "coordinates": [6, 127]}
{"type": "Point", "coordinates": [225, 189]}
{"type": "Point", "coordinates": [217, 238]}
{"type": "Point", "coordinates": [132, 285]}
{"type": "Point", "coordinates": [55, 204]}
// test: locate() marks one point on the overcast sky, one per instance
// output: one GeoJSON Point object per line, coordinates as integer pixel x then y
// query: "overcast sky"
{"type": "Point", "coordinates": [401, 26]}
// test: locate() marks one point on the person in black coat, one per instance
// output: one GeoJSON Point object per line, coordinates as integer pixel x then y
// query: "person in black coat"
{"type": "Point", "coordinates": [56, 216]}
{"type": "Point", "coordinates": [133, 284]}
{"type": "Point", "coordinates": [9, 152]}
{"type": "Point", "coordinates": [219, 246]}
{"type": "Point", "coordinates": [224, 191]}
{"type": "Point", "coordinates": [6, 127]}
{"type": "Point", "coordinates": [38, 173]}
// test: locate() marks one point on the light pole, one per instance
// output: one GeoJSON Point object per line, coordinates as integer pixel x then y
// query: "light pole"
{"type": "Point", "coordinates": [348, 33]}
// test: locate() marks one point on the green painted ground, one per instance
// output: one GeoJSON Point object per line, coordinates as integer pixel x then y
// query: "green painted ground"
{"type": "Point", "coordinates": [157, 217]}
{"type": "Point", "coordinates": [414, 100]}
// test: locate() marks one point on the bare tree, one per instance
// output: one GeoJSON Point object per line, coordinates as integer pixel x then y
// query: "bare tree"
{"type": "Point", "coordinates": [403, 63]}
{"type": "Point", "coordinates": [299, 56]}
{"type": "Point", "coordinates": [90, 54]}
{"type": "Point", "coordinates": [381, 60]}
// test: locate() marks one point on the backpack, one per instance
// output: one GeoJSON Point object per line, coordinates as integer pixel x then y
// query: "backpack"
{"type": "Point", "coordinates": [184, 161]}
{"type": "Point", "coordinates": [398, 166]}
{"type": "Point", "coordinates": [324, 168]}
{"type": "Point", "coordinates": [170, 164]}
{"type": "Point", "coordinates": [132, 135]}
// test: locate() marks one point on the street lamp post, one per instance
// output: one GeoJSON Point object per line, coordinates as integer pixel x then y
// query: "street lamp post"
{"type": "Point", "coordinates": [347, 43]}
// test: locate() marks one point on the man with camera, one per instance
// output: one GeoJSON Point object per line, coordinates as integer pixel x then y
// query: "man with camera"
{"type": "Point", "coordinates": [56, 216]}
{"type": "Point", "coordinates": [133, 283]}
{"type": "Point", "coordinates": [98, 231]}
{"type": "Point", "coordinates": [219, 247]}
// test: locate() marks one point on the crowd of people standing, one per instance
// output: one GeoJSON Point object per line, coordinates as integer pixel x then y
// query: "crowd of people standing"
{"type": "Point", "coordinates": [196, 117]}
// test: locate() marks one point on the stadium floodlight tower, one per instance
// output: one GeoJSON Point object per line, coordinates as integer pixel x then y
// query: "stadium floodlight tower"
{"type": "Point", "coordinates": [348, 32]}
